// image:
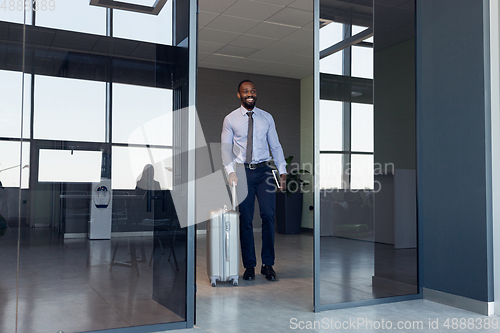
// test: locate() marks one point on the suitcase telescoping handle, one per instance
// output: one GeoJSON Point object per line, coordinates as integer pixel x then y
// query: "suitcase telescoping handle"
{"type": "Point", "coordinates": [228, 247]}
{"type": "Point", "coordinates": [233, 195]}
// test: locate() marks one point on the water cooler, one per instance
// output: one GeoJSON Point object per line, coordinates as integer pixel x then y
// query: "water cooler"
{"type": "Point", "coordinates": [100, 210]}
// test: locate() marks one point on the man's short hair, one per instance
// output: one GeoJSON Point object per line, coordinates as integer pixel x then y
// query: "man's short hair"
{"type": "Point", "coordinates": [239, 85]}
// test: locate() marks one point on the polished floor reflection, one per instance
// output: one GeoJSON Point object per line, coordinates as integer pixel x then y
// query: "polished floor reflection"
{"type": "Point", "coordinates": [347, 274]}
{"type": "Point", "coordinates": [293, 291]}
{"type": "Point", "coordinates": [75, 285]}
{"type": "Point", "coordinates": [354, 270]}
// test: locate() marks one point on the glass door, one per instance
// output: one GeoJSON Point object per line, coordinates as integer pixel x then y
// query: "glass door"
{"type": "Point", "coordinates": [365, 194]}
{"type": "Point", "coordinates": [97, 130]}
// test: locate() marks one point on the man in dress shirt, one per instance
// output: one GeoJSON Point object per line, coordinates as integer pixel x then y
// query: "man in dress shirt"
{"type": "Point", "coordinates": [253, 128]}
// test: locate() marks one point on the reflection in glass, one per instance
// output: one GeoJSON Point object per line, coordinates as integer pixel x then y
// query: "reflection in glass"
{"type": "Point", "coordinates": [142, 115]}
{"type": "Point", "coordinates": [361, 256]}
{"type": "Point", "coordinates": [361, 172]}
{"type": "Point", "coordinates": [77, 166]}
{"type": "Point", "coordinates": [330, 34]}
{"type": "Point", "coordinates": [331, 171]}
{"type": "Point", "coordinates": [362, 127]}
{"type": "Point", "coordinates": [129, 162]}
{"type": "Point", "coordinates": [11, 87]}
{"type": "Point", "coordinates": [153, 28]}
{"type": "Point", "coordinates": [74, 15]}
{"type": "Point", "coordinates": [11, 164]}
{"type": "Point", "coordinates": [330, 127]}
{"type": "Point", "coordinates": [331, 64]}
{"type": "Point", "coordinates": [13, 12]}
{"type": "Point", "coordinates": [59, 101]}
{"type": "Point", "coordinates": [362, 62]}
{"type": "Point", "coordinates": [356, 29]}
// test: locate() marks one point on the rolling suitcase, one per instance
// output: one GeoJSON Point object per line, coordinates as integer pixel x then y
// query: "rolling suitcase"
{"type": "Point", "coordinates": [223, 248]}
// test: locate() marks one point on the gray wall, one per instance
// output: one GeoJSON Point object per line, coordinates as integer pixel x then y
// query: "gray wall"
{"type": "Point", "coordinates": [279, 96]}
{"type": "Point", "coordinates": [454, 221]}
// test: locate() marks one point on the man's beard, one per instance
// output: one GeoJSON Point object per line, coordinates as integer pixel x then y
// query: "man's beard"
{"type": "Point", "coordinates": [249, 105]}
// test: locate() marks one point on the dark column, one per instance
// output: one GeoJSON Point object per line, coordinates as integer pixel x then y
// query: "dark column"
{"type": "Point", "coordinates": [454, 153]}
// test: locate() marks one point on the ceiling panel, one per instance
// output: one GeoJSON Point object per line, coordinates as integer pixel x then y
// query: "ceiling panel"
{"type": "Point", "coordinates": [300, 36]}
{"type": "Point", "coordinates": [233, 24]}
{"type": "Point", "coordinates": [271, 30]}
{"type": "Point", "coordinates": [303, 4]}
{"type": "Point", "coordinates": [253, 41]}
{"type": "Point", "coordinates": [292, 17]}
{"type": "Point", "coordinates": [220, 60]}
{"type": "Point", "coordinates": [289, 47]}
{"type": "Point", "coordinates": [277, 2]}
{"type": "Point", "coordinates": [215, 6]}
{"type": "Point", "coordinates": [205, 18]}
{"type": "Point", "coordinates": [237, 51]}
{"type": "Point", "coordinates": [267, 55]}
{"type": "Point", "coordinates": [209, 47]}
{"type": "Point", "coordinates": [298, 60]}
{"type": "Point", "coordinates": [252, 64]}
{"type": "Point", "coordinates": [252, 10]}
{"type": "Point", "coordinates": [216, 36]}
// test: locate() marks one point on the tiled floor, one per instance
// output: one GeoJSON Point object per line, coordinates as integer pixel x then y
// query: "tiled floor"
{"type": "Point", "coordinates": [418, 316]}
{"type": "Point", "coordinates": [68, 285]}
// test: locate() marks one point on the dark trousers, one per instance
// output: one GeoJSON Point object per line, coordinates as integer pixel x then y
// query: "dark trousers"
{"type": "Point", "coordinates": [261, 184]}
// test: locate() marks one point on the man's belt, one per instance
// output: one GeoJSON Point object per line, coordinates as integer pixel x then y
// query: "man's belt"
{"type": "Point", "coordinates": [253, 166]}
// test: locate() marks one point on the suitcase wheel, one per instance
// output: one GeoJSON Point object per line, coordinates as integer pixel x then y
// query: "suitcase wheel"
{"type": "Point", "coordinates": [213, 284]}
{"type": "Point", "coordinates": [235, 282]}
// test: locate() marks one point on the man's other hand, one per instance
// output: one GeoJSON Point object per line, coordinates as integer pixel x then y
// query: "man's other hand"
{"type": "Point", "coordinates": [283, 182]}
{"type": "Point", "coordinates": [232, 178]}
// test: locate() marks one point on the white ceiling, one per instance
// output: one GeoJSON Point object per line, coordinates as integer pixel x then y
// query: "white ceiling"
{"type": "Point", "coordinates": [275, 37]}
{"type": "Point", "coordinates": [270, 37]}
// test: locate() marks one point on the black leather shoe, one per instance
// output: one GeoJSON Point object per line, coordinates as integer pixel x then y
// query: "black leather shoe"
{"type": "Point", "coordinates": [249, 273]}
{"type": "Point", "coordinates": [269, 272]}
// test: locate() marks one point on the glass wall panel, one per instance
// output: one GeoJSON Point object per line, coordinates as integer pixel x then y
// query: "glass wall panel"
{"type": "Point", "coordinates": [361, 67]}
{"type": "Point", "coordinates": [59, 101]}
{"type": "Point", "coordinates": [142, 115]}
{"type": "Point", "coordinates": [331, 130]}
{"type": "Point", "coordinates": [74, 15]}
{"type": "Point", "coordinates": [14, 156]}
{"type": "Point", "coordinates": [11, 85]}
{"type": "Point", "coordinates": [129, 164]}
{"type": "Point", "coordinates": [366, 159]}
{"type": "Point", "coordinates": [331, 64]}
{"type": "Point", "coordinates": [15, 12]}
{"type": "Point", "coordinates": [89, 182]}
{"type": "Point", "coordinates": [331, 171]}
{"type": "Point", "coordinates": [361, 172]}
{"type": "Point", "coordinates": [362, 127]}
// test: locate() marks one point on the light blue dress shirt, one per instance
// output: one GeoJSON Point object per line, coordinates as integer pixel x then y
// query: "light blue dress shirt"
{"type": "Point", "coordinates": [265, 137]}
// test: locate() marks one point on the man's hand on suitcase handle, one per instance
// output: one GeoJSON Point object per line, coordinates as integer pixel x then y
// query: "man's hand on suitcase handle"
{"type": "Point", "coordinates": [232, 178]}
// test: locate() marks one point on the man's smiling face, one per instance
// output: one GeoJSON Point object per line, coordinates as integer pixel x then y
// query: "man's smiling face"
{"type": "Point", "coordinates": [248, 95]}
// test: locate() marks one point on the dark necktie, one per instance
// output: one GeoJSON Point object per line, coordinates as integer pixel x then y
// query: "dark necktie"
{"type": "Point", "coordinates": [250, 137]}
